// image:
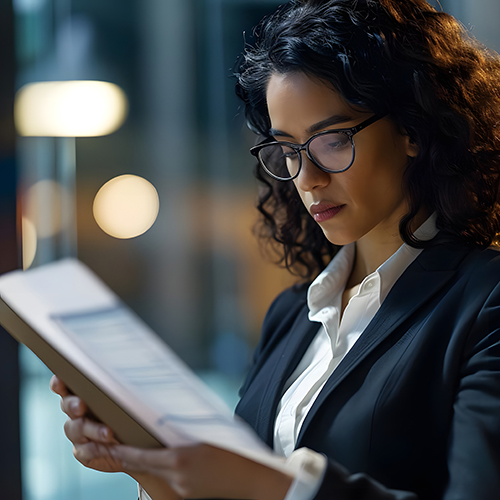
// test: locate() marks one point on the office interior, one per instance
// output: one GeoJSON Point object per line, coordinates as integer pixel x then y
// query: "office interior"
{"type": "Point", "coordinates": [178, 244]}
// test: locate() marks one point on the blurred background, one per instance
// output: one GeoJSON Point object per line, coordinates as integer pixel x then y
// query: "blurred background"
{"type": "Point", "coordinates": [154, 193]}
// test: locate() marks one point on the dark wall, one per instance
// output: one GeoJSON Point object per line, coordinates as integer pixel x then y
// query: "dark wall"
{"type": "Point", "coordinates": [10, 466]}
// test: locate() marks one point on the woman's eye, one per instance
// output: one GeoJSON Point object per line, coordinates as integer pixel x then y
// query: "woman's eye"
{"type": "Point", "coordinates": [336, 141]}
{"type": "Point", "coordinates": [289, 153]}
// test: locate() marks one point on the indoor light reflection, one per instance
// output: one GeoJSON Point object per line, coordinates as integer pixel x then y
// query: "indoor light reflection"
{"type": "Point", "coordinates": [42, 206]}
{"type": "Point", "coordinates": [77, 108]}
{"type": "Point", "coordinates": [29, 242]}
{"type": "Point", "coordinates": [126, 206]}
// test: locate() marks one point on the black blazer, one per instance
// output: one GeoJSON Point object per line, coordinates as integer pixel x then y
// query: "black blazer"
{"type": "Point", "coordinates": [413, 410]}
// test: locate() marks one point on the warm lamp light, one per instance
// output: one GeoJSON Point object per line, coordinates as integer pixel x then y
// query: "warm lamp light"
{"type": "Point", "coordinates": [78, 108]}
{"type": "Point", "coordinates": [29, 242]}
{"type": "Point", "coordinates": [126, 206]}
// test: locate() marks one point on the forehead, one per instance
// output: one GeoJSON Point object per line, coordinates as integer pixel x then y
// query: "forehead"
{"type": "Point", "coordinates": [296, 101]}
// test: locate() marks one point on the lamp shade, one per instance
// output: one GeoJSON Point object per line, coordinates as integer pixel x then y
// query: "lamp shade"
{"type": "Point", "coordinates": [76, 108]}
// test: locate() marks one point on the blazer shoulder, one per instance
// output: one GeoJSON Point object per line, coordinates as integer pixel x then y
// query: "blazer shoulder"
{"type": "Point", "coordinates": [456, 256]}
{"type": "Point", "coordinates": [281, 314]}
{"type": "Point", "coordinates": [482, 267]}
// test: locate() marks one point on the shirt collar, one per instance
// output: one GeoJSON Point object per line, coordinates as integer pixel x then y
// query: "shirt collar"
{"type": "Point", "coordinates": [330, 284]}
{"type": "Point", "coordinates": [332, 281]}
{"type": "Point", "coordinates": [391, 270]}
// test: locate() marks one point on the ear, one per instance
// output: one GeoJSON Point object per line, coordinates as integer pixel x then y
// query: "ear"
{"type": "Point", "coordinates": [411, 147]}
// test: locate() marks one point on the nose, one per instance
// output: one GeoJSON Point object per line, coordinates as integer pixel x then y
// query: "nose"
{"type": "Point", "coordinates": [310, 176]}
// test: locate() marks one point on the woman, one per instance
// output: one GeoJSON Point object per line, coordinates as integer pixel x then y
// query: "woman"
{"type": "Point", "coordinates": [381, 379]}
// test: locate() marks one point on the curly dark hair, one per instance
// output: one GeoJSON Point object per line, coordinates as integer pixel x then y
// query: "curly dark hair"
{"type": "Point", "coordinates": [401, 58]}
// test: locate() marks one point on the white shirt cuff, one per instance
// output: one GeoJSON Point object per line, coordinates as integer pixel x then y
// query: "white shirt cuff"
{"type": "Point", "coordinates": [309, 468]}
{"type": "Point", "coordinates": [142, 493]}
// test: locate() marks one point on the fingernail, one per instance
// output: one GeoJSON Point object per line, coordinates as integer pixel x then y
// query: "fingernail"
{"type": "Point", "coordinates": [75, 407]}
{"type": "Point", "coordinates": [104, 432]}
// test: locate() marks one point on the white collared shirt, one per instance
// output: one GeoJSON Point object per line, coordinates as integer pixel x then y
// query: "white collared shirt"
{"type": "Point", "coordinates": [336, 335]}
{"type": "Point", "coordinates": [334, 339]}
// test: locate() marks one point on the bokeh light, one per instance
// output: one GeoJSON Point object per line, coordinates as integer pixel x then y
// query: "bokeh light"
{"type": "Point", "coordinates": [126, 206]}
{"type": "Point", "coordinates": [77, 108]}
{"type": "Point", "coordinates": [29, 242]}
{"type": "Point", "coordinates": [43, 206]}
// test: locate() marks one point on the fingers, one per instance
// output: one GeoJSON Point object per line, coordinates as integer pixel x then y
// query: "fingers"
{"type": "Point", "coordinates": [57, 386]}
{"type": "Point", "coordinates": [83, 430]}
{"type": "Point", "coordinates": [72, 405]}
{"type": "Point", "coordinates": [79, 429]}
{"type": "Point", "coordinates": [91, 440]}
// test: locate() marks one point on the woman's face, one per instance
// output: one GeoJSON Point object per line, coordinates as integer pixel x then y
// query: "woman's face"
{"type": "Point", "coordinates": [367, 199]}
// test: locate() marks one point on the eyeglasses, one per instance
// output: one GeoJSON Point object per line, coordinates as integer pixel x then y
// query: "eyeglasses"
{"type": "Point", "coordinates": [331, 151]}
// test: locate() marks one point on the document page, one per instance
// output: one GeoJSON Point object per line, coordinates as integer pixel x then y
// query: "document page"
{"type": "Point", "coordinates": [117, 340]}
{"type": "Point", "coordinates": [74, 311]}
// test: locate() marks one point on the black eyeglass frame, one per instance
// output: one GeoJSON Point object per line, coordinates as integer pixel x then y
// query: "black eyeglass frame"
{"type": "Point", "coordinates": [350, 132]}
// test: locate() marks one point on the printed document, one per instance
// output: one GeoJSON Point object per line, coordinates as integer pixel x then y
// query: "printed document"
{"type": "Point", "coordinates": [64, 308]}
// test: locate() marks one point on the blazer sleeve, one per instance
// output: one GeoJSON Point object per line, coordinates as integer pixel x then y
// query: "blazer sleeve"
{"type": "Point", "coordinates": [339, 484]}
{"type": "Point", "coordinates": [474, 451]}
{"type": "Point", "coordinates": [474, 440]}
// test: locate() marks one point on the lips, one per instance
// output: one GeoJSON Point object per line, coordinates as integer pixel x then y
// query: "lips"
{"type": "Point", "coordinates": [323, 211]}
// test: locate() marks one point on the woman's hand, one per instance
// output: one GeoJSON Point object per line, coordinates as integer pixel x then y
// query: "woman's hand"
{"type": "Point", "coordinates": [198, 471]}
{"type": "Point", "coordinates": [203, 471]}
{"type": "Point", "coordinates": [91, 440]}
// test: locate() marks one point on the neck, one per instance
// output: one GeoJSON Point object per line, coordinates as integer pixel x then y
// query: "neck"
{"type": "Point", "coordinates": [370, 255]}
{"type": "Point", "coordinates": [375, 247]}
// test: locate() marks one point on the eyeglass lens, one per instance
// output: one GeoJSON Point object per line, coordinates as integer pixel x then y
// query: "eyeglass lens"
{"type": "Point", "coordinates": [332, 151]}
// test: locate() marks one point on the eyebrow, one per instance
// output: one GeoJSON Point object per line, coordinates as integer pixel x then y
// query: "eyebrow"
{"type": "Point", "coordinates": [332, 120]}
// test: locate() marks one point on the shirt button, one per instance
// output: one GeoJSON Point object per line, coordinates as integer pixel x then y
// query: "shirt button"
{"type": "Point", "coordinates": [369, 284]}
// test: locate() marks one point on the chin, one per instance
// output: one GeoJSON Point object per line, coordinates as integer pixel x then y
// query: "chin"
{"type": "Point", "coordinates": [339, 238]}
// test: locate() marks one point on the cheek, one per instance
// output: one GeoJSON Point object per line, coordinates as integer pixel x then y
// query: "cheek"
{"type": "Point", "coordinates": [375, 183]}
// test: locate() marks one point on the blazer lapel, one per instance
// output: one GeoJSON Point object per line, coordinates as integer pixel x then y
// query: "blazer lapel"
{"type": "Point", "coordinates": [434, 267]}
{"type": "Point", "coordinates": [289, 354]}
